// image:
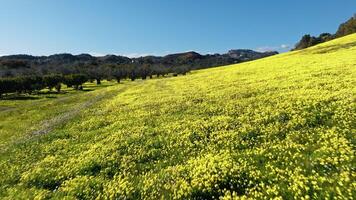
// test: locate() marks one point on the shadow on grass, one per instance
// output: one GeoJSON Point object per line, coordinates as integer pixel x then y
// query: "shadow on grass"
{"type": "Point", "coordinates": [86, 90]}
{"type": "Point", "coordinates": [94, 87]}
{"type": "Point", "coordinates": [332, 48]}
{"type": "Point", "coordinates": [50, 92]}
{"type": "Point", "coordinates": [18, 97]}
{"type": "Point", "coordinates": [51, 97]}
{"type": "Point", "coordinates": [34, 96]}
{"type": "Point", "coordinates": [6, 108]}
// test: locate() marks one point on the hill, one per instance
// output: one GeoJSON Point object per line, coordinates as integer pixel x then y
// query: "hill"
{"type": "Point", "coordinates": [278, 127]}
{"type": "Point", "coordinates": [20, 65]}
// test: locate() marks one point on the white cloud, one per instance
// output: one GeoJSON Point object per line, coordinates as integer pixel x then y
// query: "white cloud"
{"type": "Point", "coordinates": [282, 47]}
{"type": "Point", "coordinates": [96, 54]}
{"type": "Point", "coordinates": [266, 48]}
{"type": "Point", "coordinates": [2, 53]}
{"type": "Point", "coordinates": [136, 55]}
{"type": "Point", "coordinates": [191, 50]}
{"type": "Point", "coordinates": [285, 46]}
{"type": "Point", "coordinates": [130, 55]}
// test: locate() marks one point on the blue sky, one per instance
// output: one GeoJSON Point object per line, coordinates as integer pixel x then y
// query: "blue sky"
{"type": "Point", "coordinates": [141, 27]}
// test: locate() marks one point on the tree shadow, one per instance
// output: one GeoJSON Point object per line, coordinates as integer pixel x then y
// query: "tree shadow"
{"type": "Point", "coordinates": [50, 92]}
{"type": "Point", "coordinates": [33, 96]}
{"type": "Point", "coordinates": [51, 97]}
{"type": "Point", "coordinates": [18, 97]}
{"type": "Point", "coordinates": [87, 90]}
{"type": "Point", "coordinates": [6, 108]}
{"type": "Point", "coordinates": [332, 48]}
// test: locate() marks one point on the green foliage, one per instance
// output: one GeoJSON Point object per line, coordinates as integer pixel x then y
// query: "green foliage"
{"type": "Point", "coordinates": [344, 29]}
{"type": "Point", "coordinates": [58, 87]}
{"type": "Point", "coordinates": [7, 85]}
{"type": "Point", "coordinates": [52, 81]}
{"type": "Point", "coordinates": [22, 84]}
{"type": "Point", "coordinates": [308, 41]}
{"type": "Point", "coordinates": [118, 72]}
{"type": "Point", "coordinates": [347, 28]}
{"type": "Point", "coordinates": [75, 80]}
{"type": "Point", "coordinates": [277, 128]}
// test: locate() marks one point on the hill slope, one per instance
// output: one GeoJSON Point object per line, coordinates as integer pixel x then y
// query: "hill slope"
{"type": "Point", "coordinates": [282, 126]}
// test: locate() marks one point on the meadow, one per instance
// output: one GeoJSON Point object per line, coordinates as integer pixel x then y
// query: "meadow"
{"type": "Point", "coordinates": [281, 127]}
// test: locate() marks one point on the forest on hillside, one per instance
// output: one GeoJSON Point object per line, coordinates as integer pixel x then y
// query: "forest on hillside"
{"type": "Point", "coordinates": [346, 28]}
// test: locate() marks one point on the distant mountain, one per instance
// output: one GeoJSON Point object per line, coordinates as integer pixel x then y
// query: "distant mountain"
{"type": "Point", "coordinates": [68, 63]}
{"type": "Point", "coordinates": [114, 59]}
{"type": "Point", "coordinates": [246, 54]}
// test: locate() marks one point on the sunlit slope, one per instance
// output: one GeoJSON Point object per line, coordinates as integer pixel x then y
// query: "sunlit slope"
{"type": "Point", "coordinates": [283, 126]}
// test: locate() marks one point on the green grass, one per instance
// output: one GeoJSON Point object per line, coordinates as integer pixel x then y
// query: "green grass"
{"type": "Point", "coordinates": [21, 114]}
{"type": "Point", "coordinates": [279, 127]}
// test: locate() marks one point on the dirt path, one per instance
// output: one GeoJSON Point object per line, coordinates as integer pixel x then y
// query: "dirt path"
{"type": "Point", "coordinates": [6, 108]}
{"type": "Point", "coordinates": [48, 125]}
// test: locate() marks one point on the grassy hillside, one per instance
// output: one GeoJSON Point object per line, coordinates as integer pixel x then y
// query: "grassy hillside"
{"type": "Point", "coordinates": [283, 127]}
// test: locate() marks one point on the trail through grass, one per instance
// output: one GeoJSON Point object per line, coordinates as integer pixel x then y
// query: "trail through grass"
{"type": "Point", "coordinates": [34, 114]}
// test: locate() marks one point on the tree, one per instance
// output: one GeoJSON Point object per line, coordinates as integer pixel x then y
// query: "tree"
{"type": "Point", "coordinates": [182, 70]}
{"type": "Point", "coordinates": [132, 71]}
{"type": "Point", "coordinates": [52, 81]}
{"type": "Point", "coordinates": [58, 87]}
{"type": "Point", "coordinates": [132, 74]}
{"type": "Point", "coordinates": [29, 84]}
{"type": "Point", "coordinates": [324, 37]}
{"type": "Point", "coordinates": [75, 80]}
{"type": "Point", "coordinates": [23, 84]}
{"type": "Point", "coordinates": [305, 42]}
{"type": "Point", "coordinates": [118, 72]}
{"type": "Point", "coordinates": [145, 70]}
{"type": "Point", "coordinates": [95, 72]}
{"type": "Point", "coordinates": [7, 85]}
{"type": "Point", "coordinates": [347, 28]}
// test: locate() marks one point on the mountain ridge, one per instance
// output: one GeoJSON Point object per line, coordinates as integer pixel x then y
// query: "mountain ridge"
{"type": "Point", "coordinates": [12, 64]}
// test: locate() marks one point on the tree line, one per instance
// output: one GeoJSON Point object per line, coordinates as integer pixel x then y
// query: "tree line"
{"type": "Point", "coordinates": [31, 84]}
{"type": "Point", "coordinates": [346, 28]}
{"type": "Point", "coordinates": [28, 84]}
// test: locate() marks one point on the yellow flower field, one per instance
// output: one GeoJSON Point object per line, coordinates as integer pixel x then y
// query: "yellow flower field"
{"type": "Point", "coordinates": [282, 127]}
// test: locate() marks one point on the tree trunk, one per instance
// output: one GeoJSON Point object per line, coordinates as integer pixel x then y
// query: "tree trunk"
{"type": "Point", "coordinates": [98, 81]}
